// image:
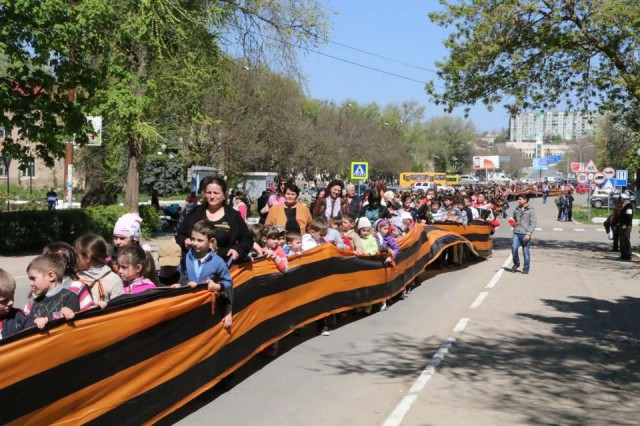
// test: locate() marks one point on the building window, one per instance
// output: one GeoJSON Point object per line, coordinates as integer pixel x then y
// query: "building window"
{"type": "Point", "coordinates": [3, 170]}
{"type": "Point", "coordinates": [29, 170]}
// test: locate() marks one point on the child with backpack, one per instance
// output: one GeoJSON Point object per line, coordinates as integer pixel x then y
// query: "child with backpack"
{"type": "Point", "coordinates": [94, 271]}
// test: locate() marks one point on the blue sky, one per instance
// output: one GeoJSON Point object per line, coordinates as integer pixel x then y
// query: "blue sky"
{"type": "Point", "coordinates": [400, 30]}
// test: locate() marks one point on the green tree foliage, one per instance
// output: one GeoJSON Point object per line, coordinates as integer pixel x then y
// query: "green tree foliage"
{"type": "Point", "coordinates": [166, 175]}
{"type": "Point", "coordinates": [146, 67]}
{"type": "Point", "coordinates": [47, 73]}
{"type": "Point", "coordinates": [615, 145]}
{"type": "Point", "coordinates": [533, 54]}
{"type": "Point", "coordinates": [446, 144]}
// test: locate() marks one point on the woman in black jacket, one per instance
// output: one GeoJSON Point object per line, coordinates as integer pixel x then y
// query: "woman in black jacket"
{"type": "Point", "coordinates": [232, 233]}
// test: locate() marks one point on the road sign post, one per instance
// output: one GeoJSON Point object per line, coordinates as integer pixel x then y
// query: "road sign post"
{"type": "Point", "coordinates": [359, 170]}
{"type": "Point", "coordinates": [598, 178]}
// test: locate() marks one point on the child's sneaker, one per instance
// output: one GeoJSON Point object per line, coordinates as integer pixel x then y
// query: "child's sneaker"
{"type": "Point", "coordinates": [383, 307]}
{"type": "Point", "coordinates": [325, 331]}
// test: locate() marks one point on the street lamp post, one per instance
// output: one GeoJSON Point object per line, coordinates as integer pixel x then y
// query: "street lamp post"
{"type": "Point", "coordinates": [7, 162]}
{"type": "Point", "coordinates": [164, 168]}
{"type": "Point", "coordinates": [32, 169]}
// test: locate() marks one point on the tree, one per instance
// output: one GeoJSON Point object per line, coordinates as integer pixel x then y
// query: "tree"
{"type": "Point", "coordinates": [614, 146]}
{"type": "Point", "coordinates": [129, 61]}
{"type": "Point", "coordinates": [580, 53]}
{"type": "Point", "coordinates": [47, 73]}
{"type": "Point", "coordinates": [448, 143]}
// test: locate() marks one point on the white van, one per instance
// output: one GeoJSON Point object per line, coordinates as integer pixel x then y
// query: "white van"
{"type": "Point", "coordinates": [469, 180]}
{"type": "Point", "coordinates": [500, 178]}
{"type": "Point", "coordinates": [423, 186]}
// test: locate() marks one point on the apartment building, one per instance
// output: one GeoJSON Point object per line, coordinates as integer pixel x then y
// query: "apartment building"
{"type": "Point", "coordinates": [568, 125]}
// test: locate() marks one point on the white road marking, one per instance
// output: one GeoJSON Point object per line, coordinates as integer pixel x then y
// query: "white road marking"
{"type": "Point", "coordinates": [557, 229]}
{"type": "Point", "coordinates": [600, 230]}
{"type": "Point", "coordinates": [403, 407]}
{"type": "Point", "coordinates": [479, 299]}
{"type": "Point", "coordinates": [579, 229]}
{"type": "Point", "coordinates": [498, 274]}
{"type": "Point", "coordinates": [538, 229]}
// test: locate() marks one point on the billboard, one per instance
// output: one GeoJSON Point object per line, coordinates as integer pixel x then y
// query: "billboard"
{"type": "Point", "coordinates": [487, 162]}
{"type": "Point", "coordinates": [540, 163]}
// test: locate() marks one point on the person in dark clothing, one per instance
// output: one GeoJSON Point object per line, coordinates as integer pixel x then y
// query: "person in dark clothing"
{"type": "Point", "coordinates": [353, 199]}
{"type": "Point", "coordinates": [611, 224]}
{"type": "Point", "coordinates": [232, 234]}
{"type": "Point", "coordinates": [50, 300]}
{"type": "Point", "coordinates": [12, 320]}
{"type": "Point", "coordinates": [155, 201]}
{"type": "Point", "coordinates": [262, 202]}
{"type": "Point", "coordinates": [52, 199]}
{"type": "Point", "coordinates": [624, 221]}
{"type": "Point", "coordinates": [374, 210]}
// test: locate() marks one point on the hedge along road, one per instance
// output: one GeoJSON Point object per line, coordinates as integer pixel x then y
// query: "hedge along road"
{"type": "Point", "coordinates": [556, 346]}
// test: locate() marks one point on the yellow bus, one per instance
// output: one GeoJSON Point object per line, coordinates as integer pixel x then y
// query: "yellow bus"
{"type": "Point", "coordinates": [453, 180]}
{"type": "Point", "coordinates": [409, 178]}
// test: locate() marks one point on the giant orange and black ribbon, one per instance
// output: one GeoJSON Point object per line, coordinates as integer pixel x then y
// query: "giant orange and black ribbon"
{"type": "Point", "coordinates": [146, 355]}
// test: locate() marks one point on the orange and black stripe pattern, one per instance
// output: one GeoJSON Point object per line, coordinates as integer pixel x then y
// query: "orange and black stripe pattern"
{"type": "Point", "coordinates": [146, 355]}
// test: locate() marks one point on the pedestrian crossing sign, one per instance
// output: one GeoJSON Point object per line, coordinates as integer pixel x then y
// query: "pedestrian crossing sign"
{"type": "Point", "coordinates": [359, 170]}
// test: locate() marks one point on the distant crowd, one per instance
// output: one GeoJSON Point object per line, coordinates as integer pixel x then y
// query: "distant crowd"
{"type": "Point", "coordinates": [212, 234]}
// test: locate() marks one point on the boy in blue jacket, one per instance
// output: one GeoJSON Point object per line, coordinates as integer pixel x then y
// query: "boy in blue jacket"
{"type": "Point", "coordinates": [12, 320]}
{"type": "Point", "coordinates": [204, 266]}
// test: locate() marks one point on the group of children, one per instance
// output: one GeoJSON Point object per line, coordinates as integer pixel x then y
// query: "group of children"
{"type": "Point", "coordinates": [66, 279]}
{"type": "Point", "coordinates": [357, 235]}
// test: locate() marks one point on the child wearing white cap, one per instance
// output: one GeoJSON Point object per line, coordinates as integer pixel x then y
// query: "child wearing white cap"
{"type": "Point", "coordinates": [126, 232]}
{"type": "Point", "coordinates": [369, 244]}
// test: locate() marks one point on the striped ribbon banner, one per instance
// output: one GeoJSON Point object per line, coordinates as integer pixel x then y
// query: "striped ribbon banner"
{"type": "Point", "coordinates": [146, 355]}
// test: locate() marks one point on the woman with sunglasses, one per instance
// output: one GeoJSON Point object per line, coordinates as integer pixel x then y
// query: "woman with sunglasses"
{"type": "Point", "coordinates": [278, 197]}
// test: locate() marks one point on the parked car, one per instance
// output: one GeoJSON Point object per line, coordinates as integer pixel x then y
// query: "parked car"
{"type": "Point", "coordinates": [582, 188]}
{"type": "Point", "coordinates": [602, 197]}
{"type": "Point", "coordinates": [500, 178]}
{"type": "Point", "coordinates": [422, 186]}
{"type": "Point", "coordinates": [469, 180]}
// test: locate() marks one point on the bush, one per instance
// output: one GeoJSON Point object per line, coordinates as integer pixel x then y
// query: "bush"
{"type": "Point", "coordinates": [32, 230]}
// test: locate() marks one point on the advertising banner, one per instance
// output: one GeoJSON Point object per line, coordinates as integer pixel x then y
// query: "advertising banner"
{"type": "Point", "coordinates": [540, 163]}
{"type": "Point", "coordinates": [487, 162]}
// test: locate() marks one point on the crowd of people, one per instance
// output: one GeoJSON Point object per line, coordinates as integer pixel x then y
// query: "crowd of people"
{"type": "Point", "coordinates": [212, 234]}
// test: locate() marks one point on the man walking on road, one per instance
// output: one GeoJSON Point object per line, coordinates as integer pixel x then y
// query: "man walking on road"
{"type": "Point", "coordinates": [524, 217]}
{"type": "Point", "coordinates": [624, 220]}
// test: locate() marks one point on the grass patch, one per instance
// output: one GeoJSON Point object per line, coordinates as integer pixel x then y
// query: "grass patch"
{"type": "Point", "coordinates": [580, 214]}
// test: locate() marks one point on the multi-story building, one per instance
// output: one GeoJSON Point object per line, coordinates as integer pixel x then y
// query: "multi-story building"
{"type": "Point", "coordinates": [35, 175]}
{"type": "Point", "coordinates": [528, 149]}
{"type": "Point", "coordinates": [568, 125]}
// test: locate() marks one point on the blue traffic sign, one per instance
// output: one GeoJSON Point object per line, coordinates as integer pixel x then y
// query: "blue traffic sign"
{"type": "Point", "coordinates": [359, 170]}
{"type": "Point", "coordinates": [609, 184]}
{"type": "Point", "coordinates": [622, 177]}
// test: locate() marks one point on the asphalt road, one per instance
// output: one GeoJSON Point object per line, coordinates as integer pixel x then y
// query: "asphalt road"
{"type": "Point", "coordinates": [475, 345]}
{"type": "Point", "coordinates": [557, 346]}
